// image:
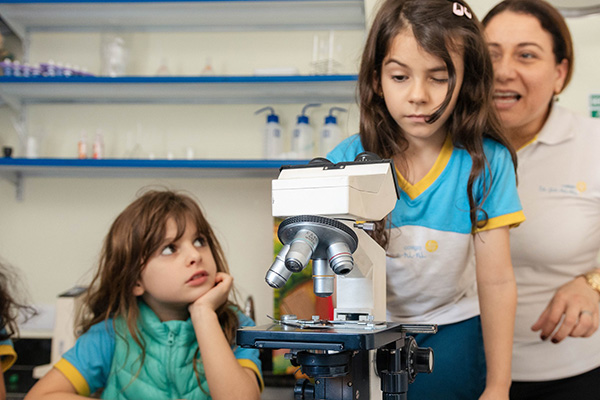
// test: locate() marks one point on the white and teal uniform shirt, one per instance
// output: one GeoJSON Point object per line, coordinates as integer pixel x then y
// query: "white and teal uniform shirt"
{"type": "Point", "coordinates": [431, 256]}
{"type": "Point", "coordinates": [102, 359]}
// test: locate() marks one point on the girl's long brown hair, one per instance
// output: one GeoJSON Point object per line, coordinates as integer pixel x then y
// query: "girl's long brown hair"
{"type": "Point", "coordinates": [135, 235]}
{"type": "Point", "coordinates": [12, 305]}
{"type": "Point", "coordinates": [439, 31]}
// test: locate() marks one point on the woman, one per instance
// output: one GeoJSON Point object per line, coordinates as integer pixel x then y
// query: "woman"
{"type": "Point", "coordinates": [556, 352]}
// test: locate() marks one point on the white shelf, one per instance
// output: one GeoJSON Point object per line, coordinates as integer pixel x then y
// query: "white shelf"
{"type": "Point", "coordinates": [26, 17]}
{"type": "Point", "coordinates": [16, 170]}
{"type": "Point", "coordinates": [139, 168]}
{"type": "Point", "coordinates": [210, 15]}
{"type": "Point", "coordinates": [198, 90]}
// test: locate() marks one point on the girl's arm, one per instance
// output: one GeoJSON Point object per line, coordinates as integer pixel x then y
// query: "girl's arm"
{"type": "Point", "coordinates": [53, 386]}
{"type": "Point", "coordinates": [2, 387]}
{"type": "Point", "coordinates": [227, 379]}
{"type": "Point", "coordinates": [497, 300]}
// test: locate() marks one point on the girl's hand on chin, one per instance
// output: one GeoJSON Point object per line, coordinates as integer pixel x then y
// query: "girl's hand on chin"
{"type": "Point", "coordinates": [216, 296]}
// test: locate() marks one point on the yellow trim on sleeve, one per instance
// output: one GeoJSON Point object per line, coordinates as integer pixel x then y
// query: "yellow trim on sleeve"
{"type": "Point", "coordinates": [8, 355]}
{"type": "Point", "coordinates": [413, 191]}
{"type": "Point", "coordinates": [512, 220]}
{"type": "Point", "coordinates": [251, 365]}
{"type": "Point", "coordinates": [74, 376]}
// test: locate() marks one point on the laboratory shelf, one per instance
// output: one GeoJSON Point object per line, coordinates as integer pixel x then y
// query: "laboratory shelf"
{"type": "Point", "coordinates": [112, 167]}
{"type": "Point", "coordinates": [25, 17]}
{"type": "Point", "coordinates": [19, 91]}
{"type": "Point", "coordinates": [16, 170]}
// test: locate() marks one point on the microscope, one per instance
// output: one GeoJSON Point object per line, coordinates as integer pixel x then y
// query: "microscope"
{"type": "Point", "coordinates": [357, 355]}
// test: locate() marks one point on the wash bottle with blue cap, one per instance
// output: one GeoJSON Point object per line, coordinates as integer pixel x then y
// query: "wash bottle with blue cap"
{"type": "Point", "coordinates": [273, 138]}
{"type": "Point", "coordinates": [303, 135]}
{"type": "Point", "coordinates": [331, 133]}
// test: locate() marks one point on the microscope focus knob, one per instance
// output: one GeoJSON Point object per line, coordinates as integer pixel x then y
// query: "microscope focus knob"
{"type": "Point", "coordinates": [424, 360]}
{"type": "Point", "coordinates": [304, 390]}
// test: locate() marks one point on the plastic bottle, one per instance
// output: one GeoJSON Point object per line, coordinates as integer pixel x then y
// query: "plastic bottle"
{"type": "Point", "coordinates": [303, 135]}
{"type": "Point", "coordinates": [17, 68]}
{"type": "Point", "coordinates": [98, 147]}
{"type": "Point", "coordinates": [273, 138]}
{"type": "Point", "coordinates": [331, 134]}
{"type": "Point", "coordinates": [7, 67]}
{"type": "Point", "coordinates": [82, 146]}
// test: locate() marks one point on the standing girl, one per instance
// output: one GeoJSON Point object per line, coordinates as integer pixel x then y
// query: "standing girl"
{"type": "Point", "coordinates": [161, 324]}
{"type": "Point", "coordinates": [425, 86]}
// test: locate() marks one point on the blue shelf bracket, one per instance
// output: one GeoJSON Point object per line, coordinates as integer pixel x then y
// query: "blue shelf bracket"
{"type": "Point", "coordinates": [19, 186]}
{"type": "Point", "coordinates": [18, 180]}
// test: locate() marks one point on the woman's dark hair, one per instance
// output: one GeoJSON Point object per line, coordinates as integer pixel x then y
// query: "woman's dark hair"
{"type": "Point", "coordinates": [552, 22]}
{"type": "Point", "coordinates": [440, 30]}
{"type": "Point", "coordinates": [12, 305]}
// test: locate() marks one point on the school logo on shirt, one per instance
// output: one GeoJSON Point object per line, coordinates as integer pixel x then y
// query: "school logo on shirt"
{"type": "Point", "coordinates": [576, 189]}
{"type": "Point", "coordinates": [431, 246]}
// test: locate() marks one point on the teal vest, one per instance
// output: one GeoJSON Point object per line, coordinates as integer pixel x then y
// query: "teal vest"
{"type": "Point", "coordinates": [167, 372]}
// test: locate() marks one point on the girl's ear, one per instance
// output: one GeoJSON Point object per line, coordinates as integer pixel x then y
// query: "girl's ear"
{"type": "Point", "coordinates": [138, 289]}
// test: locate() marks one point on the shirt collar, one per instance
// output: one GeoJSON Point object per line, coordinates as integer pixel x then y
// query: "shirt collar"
{"type": "Point", "coordinates": [556, 129]}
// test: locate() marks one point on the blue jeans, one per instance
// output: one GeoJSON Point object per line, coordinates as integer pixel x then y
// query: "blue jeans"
{"type": "Point", "coordinates": [459, 363]}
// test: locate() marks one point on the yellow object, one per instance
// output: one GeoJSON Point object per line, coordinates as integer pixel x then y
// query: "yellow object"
{"type": "Point", "coordinates": [593, 279]}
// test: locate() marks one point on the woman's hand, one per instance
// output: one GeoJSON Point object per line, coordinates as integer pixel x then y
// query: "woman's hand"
{"type": "Point", "coordinates": [494, 394]}
{"type": "Point", "coordinates": [215, 297]}
{"type": "Point", "coordinates": [577, 302]}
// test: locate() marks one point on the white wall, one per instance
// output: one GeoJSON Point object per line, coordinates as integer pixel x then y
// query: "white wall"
{"type": "Point", "coordinates": [55, 234]}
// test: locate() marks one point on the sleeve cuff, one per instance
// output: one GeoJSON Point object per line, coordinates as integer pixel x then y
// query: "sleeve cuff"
{"type": "Point", "coordinates": [511, 220]}
{"type": "Point", "coordinates": [74, 376]}
{"type": "Point", "coordinates": [8, 355]}
{"type": "Point", "coordinates": [251, 365]}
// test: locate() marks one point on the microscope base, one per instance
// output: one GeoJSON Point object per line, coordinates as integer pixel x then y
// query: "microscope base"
{"type": "Point", "coordinates": [341, 360]}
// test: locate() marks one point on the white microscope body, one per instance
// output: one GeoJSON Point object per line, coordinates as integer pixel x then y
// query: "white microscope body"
{"type": "Point", "coordinates": [350, 193]}
{"type": "Point", "coordinates": [327, 208]}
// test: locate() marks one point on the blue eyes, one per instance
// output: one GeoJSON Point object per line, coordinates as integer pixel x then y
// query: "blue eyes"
{"type": "Point", "coordinates": [172, 248]}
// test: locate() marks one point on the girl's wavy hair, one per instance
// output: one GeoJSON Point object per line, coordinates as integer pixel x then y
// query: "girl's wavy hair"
{"type": "Point", "coordinates": [440, 32]}
{"type": "Point", "coordinates": [134, 237]}
{"type": "Point", "coordinates": [13, 307]}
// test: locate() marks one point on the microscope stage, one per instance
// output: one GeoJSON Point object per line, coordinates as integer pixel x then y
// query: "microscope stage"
{"type": "Point", "coordinates": [282, 336]}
